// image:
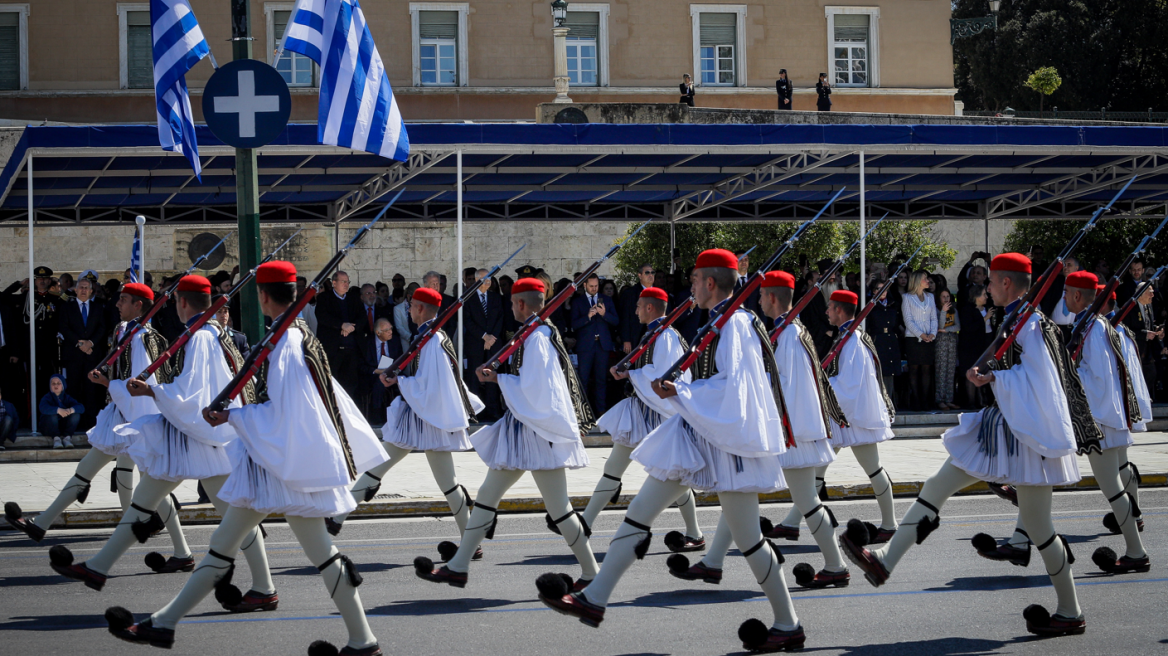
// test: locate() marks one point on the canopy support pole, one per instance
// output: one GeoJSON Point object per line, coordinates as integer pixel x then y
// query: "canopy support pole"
{"type": "Point", "coordinates": [672, 238]}
{"type": "Point", "coordinates": [863, 244]}
{"type": "Point", "coordinates": [461, 355]}
{"type": "Point", "coordinates": [30, 298]}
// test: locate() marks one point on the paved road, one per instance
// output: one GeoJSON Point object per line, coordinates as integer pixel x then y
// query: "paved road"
{"type": "Point", "coordinates": [942, 599]}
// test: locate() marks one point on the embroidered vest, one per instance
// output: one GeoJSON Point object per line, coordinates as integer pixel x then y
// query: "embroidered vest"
{"type": "Point", "coordinates": [866, 341]}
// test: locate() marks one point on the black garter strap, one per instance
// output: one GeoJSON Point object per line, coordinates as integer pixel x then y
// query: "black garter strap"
{"type": "Point", "coordinates": [494, 521]}
{"type": "Point", "coordinates": [350, 569]}
{"type": "Point", "coordinates": [775, 550]}
{"type": "Point", "coordinates": [466, 500]}
{"type": "Point", "coordinates": [812, 511]}
{"type": "Point", "coordinates": [637, 525]}
{"type": "Point", "coordinates": [212, 552]}
{"type": "Point", "coordinates": [1070, 557]}
{"type": "Point", "coordinates": [642, 547]}
{"type": "Point", "coordinates": [584, 528]}
{"type": "Point", "coordinates": [140, 508]}
{"type": "Point", "coordinates": [84, 493]}
{"type": "Point", "coordinates": [750, 552]}
{"type": "Point", "coordinates": [611, 478]}
{"type": "Point", "coordinates": [373, 476]}
{"type": "Point", "coordinates": [114, 478]}
{"type": "Point", "coordinates": [873, 474]}
{"type": "Point", "coordinates": [928, 505]}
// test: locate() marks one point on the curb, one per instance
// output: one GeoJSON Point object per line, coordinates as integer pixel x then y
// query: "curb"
{"type": "Point", "coordinates": [205, 513]}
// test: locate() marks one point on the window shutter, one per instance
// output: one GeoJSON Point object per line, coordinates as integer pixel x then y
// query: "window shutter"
{"type": "Point", "coordinates": [438, 24]}
{"type": "Point", "coordinates": [279, 24]}
{"type": "Point", "coordinates": [718, 28]}
{"type": "Point", "coordinates": [583, 24]}
{"type": "Point", "coordinates": [851, 27]}
{"type": "Point", "coordinates": [9, 50]}
{"type": "Point", "coordinates": [139, 50]}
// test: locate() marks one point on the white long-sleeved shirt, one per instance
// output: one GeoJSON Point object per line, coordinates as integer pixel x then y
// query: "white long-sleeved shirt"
{"type": "Point", "coordinates": [920, 316]}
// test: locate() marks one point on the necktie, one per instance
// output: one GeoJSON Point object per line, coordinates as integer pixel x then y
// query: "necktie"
{"type": "Point", "coordinates": [591, 301]}
{"type": "Point", "coordinates": [85, 314]}
{"type": "Point", "coordinates": [369, 312]}
{"type": "Point", "coordinates": [483, 300]}
{"type": "Point", "coordinates": [383, 349]}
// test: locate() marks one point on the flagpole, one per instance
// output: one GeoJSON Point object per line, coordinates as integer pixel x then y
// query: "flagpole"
{"type": "Point", "coordinates": [31, 297]}
{"type": "Point", "coordinates": [140, 221]}
{"type": "Point", "coordinates": [247, 199]}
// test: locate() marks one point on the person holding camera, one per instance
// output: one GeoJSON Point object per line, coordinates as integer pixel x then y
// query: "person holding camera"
{"type": "Point", "coordinates": [687, 90]}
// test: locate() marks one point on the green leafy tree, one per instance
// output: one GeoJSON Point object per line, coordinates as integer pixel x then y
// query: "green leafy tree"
{"type": "Point", "coordinates": [1045, 81]}
{"type": "Point", "coordinates": [1112, 240]}
{"type": "Point", "coordinates": [822, 240]}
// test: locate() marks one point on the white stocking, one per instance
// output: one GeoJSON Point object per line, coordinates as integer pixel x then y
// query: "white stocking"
{"type": "Point", "coordinates": [801, 483]}
{"type": "Point", "coordinates": [716, 551]}
{"type": "Point", "coordinates": [124, 477]}
{"type": "Point", "coordinates": [483, 515]}
{"type": "Point", "coordinates": [868, 455]}
{"type": "Point", "coordinates": [1020, 538]}
{"type": "Point", "coordinates": [1034, 507]}
{"type": "Point", "coordinates": [1106, 469]}
{"type": "Point", "coordinates": [318, 546]}
{"type": "Point", "coordinates": [553, 487]}
{"type": "Point", "coordinates": [688, 505]}
{"type": "Point", "coordinates": [614, 468]}
{"type": "Point", "coordinates": [149, 494]}
{"type": "Point", "coordinates": [948, 480]}
{"type": "Point", "coordinates": [372, 478]}
{"type": "Point", "coordinates": [1128, 476]}
{"type": "Point", "coordinates": [87, 470]}
{"type": "Point", "coordinates": [795, 516]}
{"type": "Point", "coordinates": [254, 550]}
{"type": "Point", "coordinates": [169, 513]}
{"type": "Point", "coordinates": [741, 512]}
{"type": "Point", "coordinates": [442, 466]}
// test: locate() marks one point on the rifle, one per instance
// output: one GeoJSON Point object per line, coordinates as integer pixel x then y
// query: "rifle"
{"type": "Point", "coordinates": [422, 339]}
{"type": "Point", "coordinates": [207, 314]}
{"type": "Point", "coordinates": [714, 326]}
{"type": "Point", "coordinates": [538, 318]}
{"type": "Point", "coordinates": [810, 293]}
{"type": "Point", "coordinates": [1014, 321]}
{"type": "Point", "coordinates": [159, 302]}
{"type": "Point", "coordinates": [1131, 302]}
{"type": "Point", "coordinates": [651, 336]}
{"type": "Point", "coordinates": [863, 314]}
{"type": "Point", "coordinates": [260, 352]}
{"type": "Point", "coordinates": [1083, 327]}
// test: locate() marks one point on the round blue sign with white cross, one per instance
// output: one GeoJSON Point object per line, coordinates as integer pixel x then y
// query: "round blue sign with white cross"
{"type": "Point", "coordinates": [246, 103]}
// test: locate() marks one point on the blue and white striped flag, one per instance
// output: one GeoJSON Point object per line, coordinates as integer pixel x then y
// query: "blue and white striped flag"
{"type": "Point", "coordinates": [136, 255]}
{"type": "Point", "coordinates": [357, 108]}
{"type": "Point", "coordinates": [178, 46]}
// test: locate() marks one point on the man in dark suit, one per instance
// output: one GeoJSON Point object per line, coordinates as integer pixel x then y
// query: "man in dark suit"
{"type": "Point", "coordinates": [814, 316]}
{"type": "Point", "coordinates": [340, 327]}
{"type": "Point", "coordinates": [1149, 337]}
{"type": "Point", "coordinates": [687, 90]}
{"type": "Point", "coordinates": [1131, 279]}
{"type": "Point", "coordinates": [483, 316]}
{"type": "Point", "coordinates": [83, 343]}
{"type": "Point", "coordinates": [631, 328]}
{"type": "Point", "coordinates": [593, 316]}
{"type": "Point", "coordinates": [754, 301]}
{"type": "Point", "coordinates": [433, 280]}
{"type": "Point", "coordinates": [13, 353]}
{"type": "Point", "coordinates": [382, 343]}
{"type": "Point", "coordinates": [370, 310]}
{"type": "Point", "coordinates": [223, 316]}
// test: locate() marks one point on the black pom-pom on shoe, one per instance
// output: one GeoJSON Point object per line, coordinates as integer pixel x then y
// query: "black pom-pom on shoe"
{"type": "Point", "coordinates": [677, 563]}
{"type": "Point", "coordinates": [60, 556]}
{"type": "Point", "coordinates": [984, 542]}
{"type": "Point", "coordinates": [553, 585]}
{"type": "Point", "coordinates": [804, 574]}
{"type": "Point", "coordinates": [1036, 615]}
{"type": "Point", "coordinates": [118, 618]}
{"type": "Point", "coordinates": [873, 531]}
{"type": "Point", "coordinates": [12, 511]}
{"type": "Point", "coordinates": [155, 561]}
{"type": "Point", "coordinates": [1104, 558]}
{"type": "Point", "coordinates": [674, 540]}
{"type": "Point", "coordinates": [322, 648]}
{"type": "Point", "coordinates": [765, 525]}
{"type": "Point", "coordinates": [857, 532]}
{"type": "Point", "coordinates": [446, 550]}
{"type": "Point", "coordinates": [228, 595]}
{"type": "Point", "coordinates": [753, 633]}
{"type": "Point", "coordinates": [1110, 523]}
{"type": "Point", "coordinates": [423, 565]}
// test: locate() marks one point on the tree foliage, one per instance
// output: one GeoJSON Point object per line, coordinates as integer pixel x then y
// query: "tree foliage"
{"type": "Point", "coordinates": [1045, 81]}
{"type": "Point", "coordinates": [1112, 240]}
{"type": "Point", "coordinates": [1110, 53]}
{"type": "Point", "coordinates": [822, 240]}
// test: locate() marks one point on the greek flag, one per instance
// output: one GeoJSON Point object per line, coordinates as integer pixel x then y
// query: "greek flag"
{"type": "Point", "coordinates": [136, 255]}
{"type": "Point", "coordinates": [357, 108]}
{"type": "Point", "coordinates": [178, 46]}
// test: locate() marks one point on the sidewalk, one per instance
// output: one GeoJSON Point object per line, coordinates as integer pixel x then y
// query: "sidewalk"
{"type": "Point", "coordinates": [409, 488]}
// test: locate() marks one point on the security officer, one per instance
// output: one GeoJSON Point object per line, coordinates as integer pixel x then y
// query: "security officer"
{"type": "Point", "coordinates": [885, 324]}
{"type": "Point", "coordinates": [47, 310]}
{"type": "Point", "coordinates": [785, 90]}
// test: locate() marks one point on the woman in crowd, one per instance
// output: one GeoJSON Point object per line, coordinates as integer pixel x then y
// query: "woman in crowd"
{"type": "Point", "coordinates": [920, 326]}
{"type": "Point", "coordinates": [948, 329]}
{"type": "Point", "coordinates": [609, 289]}
{"type": "Point", "coordinates": [977, 316]}
{"type": "Point", "coordinates": [60, 414]}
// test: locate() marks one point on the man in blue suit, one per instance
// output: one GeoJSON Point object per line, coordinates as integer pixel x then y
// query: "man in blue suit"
{"type": "Point", "coordinates": [593, 318]}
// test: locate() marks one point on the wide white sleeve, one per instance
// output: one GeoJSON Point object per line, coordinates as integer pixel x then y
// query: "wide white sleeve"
{"type": "Point", "coordinates": [666, 351]}
{"type": "Point", "coordinates": [1032, 399]}
{"type": "Point", "coordinates": [204, 374]}
{"type": "Point", "coordinates": [735, 409]}
{"type": "Point", "coordinates": [433, 392]}
{"type": "Point", "coordinates": [856, 388]}
{"type": "Point", "coordinates": [800, 391]}
{"type": "Point", "coordinates": [134, 407]}
{"type": "Point", "coordinates": [538, 397]}
{"type": "Point", "coordinates": [1131, 359]}
{"type": "Point", "coordinates": [1100, 375]}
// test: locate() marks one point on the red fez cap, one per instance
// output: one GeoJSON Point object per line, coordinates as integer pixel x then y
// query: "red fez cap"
{"type": "Point", "coordinates": [197, 284]}
{"type": "Point", "coordinates": [1099, 288]}
{"type": "Point", "coordinates": [779, 279]}
{"type": "Point", "coordinates": [528, 285]}
{"type": "Point", "coordinates": [655, 292]}
{"type": "Point", "coordinates": [427, 295]}
{"type": "Point", "coordinates": [717, 258]}
{"type": "Point", "coordinates": [844, 296]}
{"type": "Point", "coordinates": [1083, 280]}
{"type": "Point", "coordinates": [139, 290]}
{"type": "Point", "coordinates": [1011, 262]}
{"type": "Point", "coordinates": [276, 271]}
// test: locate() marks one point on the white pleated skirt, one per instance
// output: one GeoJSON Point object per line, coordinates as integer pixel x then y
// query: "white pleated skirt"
{"type": "Point", "coordinates": [407, 430]}
{"type": "Point", "coordinates": [999, 457]}
{"type": "Point", "coordinates": [509, 444]}
{"type": "Point", "coordinates": [103, 437]}
{"type": "Point", "coordinates": [251, 486]}
{"type": "Point", "coordinates": [845, 436]}
{"type": "Point", "coordinates": [629, 421]}
{"type": "Point", "coordinates": [817, 453]}
{"type": "Point", "coordinates": [1114, 438]}
{"type": "Point", "coordinates": [164, 452]}
{"type": "Point", "coordinates": [675, 452]}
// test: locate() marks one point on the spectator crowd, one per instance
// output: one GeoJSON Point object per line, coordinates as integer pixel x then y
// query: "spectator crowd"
{"type": "Point", "coordinates": [928, 330]}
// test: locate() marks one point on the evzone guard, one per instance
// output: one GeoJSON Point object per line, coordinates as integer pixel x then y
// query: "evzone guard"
{"type": "Point", "coordinates": [134, 303]}
{"type": "Point", "coordinates": [724, 438]}
{"type": "Point", "coordinates": [297, 453]}
{"type": "Point", "coordinates": [539, 433]}
{"type": "Point", "coordinates": [176, 445]}
{"type": "Point", "coordinates": [1028, 439]}
{"type": "Point", "coordinates": [431, 415]}
{"type": "Point", "coordinates": [1113, 400]}
{"type": "Point", "coordinates": [630, 420]}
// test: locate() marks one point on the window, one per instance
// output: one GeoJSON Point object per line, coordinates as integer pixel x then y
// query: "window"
{"type": "Point", "coordinates": [136, 56]}
{"type": "Point", "coordinates": [584, 30]}
{"type": "Point", "coordinates": [439, 30]}
{"type": "Point", "coordinates": [13, 47]}
{"type": "Point", "coordinates": [296, 69]}
{"type": "Point", "coordinates": [852, 45]}
{"type": "Point", "coordinates": [718, 51]}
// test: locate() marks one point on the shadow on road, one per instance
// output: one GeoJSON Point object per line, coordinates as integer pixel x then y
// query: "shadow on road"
{"type": "Point", "coordinates": [694, 597]}
{"type": "Point", "coordinates": [986, 583]}
{"type": "Point", "coordinates": [54, 623]}
{"type": "Point", "coordinates": [364, 568]}
{"type": "Point", "coordinates": [937, 647]}
{"type": "Point", "coordinates": [419, 607]}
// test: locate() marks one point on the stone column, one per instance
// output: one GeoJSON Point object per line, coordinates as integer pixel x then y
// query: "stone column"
{"type": "Point", "coordinates": [560, 37]}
